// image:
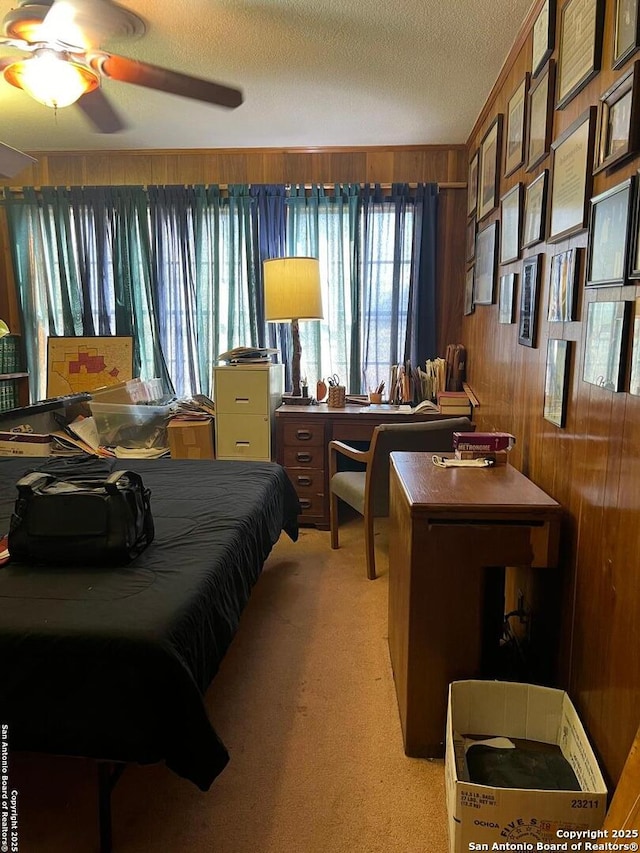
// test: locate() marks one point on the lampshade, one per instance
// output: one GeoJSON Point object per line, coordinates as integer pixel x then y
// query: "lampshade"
{"type": "Point", "coordinates": [4, 329]}
{"type": "Point", "coordinates": [51, 78]}
{"type": "Point", "coordinates": [292, 289]}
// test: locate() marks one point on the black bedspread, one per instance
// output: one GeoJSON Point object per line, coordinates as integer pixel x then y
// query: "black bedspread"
{"type": "Point", "coordinates": [113, 663]}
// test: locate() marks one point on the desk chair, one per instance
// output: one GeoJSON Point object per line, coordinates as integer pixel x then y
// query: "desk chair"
{"type": "Point", "coordinates": [368, 491]}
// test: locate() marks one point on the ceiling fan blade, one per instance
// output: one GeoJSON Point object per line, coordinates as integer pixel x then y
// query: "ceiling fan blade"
{"type": "Point", "coordinates": [89, 23]}
{"type": "Point", "coordinates": [153, 77]}
{"type": "Point", "coordinates": [13, 161]}
{"type": "Point", "coordinates": [100, 113]}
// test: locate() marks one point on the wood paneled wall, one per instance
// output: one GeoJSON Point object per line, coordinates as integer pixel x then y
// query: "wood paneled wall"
{"type": "Point", "coordinates": [443, 164]}
{"type": "Point", "coordinates": [592, 466]}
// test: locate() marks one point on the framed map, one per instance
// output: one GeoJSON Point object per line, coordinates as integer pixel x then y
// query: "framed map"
{"type": "Point", "coordinates": [77, 364]}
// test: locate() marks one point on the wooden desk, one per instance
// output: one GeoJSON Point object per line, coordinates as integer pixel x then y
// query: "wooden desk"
{"type": "Point", "coordinates": [451, 533]}
{"type": "Point", "coordinates": [302, 436]}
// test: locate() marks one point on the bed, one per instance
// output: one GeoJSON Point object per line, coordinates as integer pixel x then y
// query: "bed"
{"type": "Point", "coordinates": [113, 663]}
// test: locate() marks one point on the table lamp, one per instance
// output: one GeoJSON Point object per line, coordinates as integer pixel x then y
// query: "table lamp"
{"type": "Point", "coordinates": [292, 293]}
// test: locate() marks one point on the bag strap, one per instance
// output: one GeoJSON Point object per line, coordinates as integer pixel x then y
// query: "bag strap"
{"type": "Point", "coordinates": [111, 483]}
{"type": "Point", "coordinates": [30, 481]}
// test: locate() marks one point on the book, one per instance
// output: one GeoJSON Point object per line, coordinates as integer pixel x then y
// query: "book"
{"type": "Point", "coordinates": [455, 410]}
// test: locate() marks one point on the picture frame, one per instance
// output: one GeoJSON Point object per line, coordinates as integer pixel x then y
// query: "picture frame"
{"type": "Point", "coordinates": [572, 177]}
{"type": "Point", "coordinates": [516, 122]}
{"type": "Point", "coordinates": [626, 31]}
{"type": "Point", "coordinates": [470, 251]}
{"type": "Point", "coordinates": [535, 210]}
{"type": "Point", "coordinates": [605, 338]}
{"type": "Point", "coordinates": [472, 184]}
{"type": "Point", "coordinates": [543, 36]}
{"type": "Point", "coordinates": [468, 292]}
{"type": "Point", "coordinates": [84, 363]}
{"type": "Point", "coordinates": [511, 224]}
{"type": "Point", "coordinates": [489, 168]}
{"type": "Point", "coordinates": [506, 304]}
{"type": "Point", "coordinates": [608, 239]}
{"type": "Point", "coordinates": [633, 271]}
{"type": "Point", "coordinates": [529, 297]}
{"type": "Point", "coordinates": [634, 380]}
{"type": "Point", "coordinates": [540, 117]}
{"type": "Point", "coordinates": [580, 49]}
{"type": "Point", "coordinates": [556, 381]}
{"type": "Point", "coordinates": [563, 286]}
{"type": "Point", "coordinates": [618, 134]}
{"type": "Point", "coordinates": [486, 265]}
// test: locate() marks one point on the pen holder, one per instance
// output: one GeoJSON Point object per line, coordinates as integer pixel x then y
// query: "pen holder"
{"type": "Point", "coordinates": [337, 394]}
{"type": "Point", "coordinates": [374, 398]}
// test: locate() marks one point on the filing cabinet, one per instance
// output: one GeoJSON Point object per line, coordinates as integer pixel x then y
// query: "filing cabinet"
{"type": "Point", "coordinates": [246, 397]}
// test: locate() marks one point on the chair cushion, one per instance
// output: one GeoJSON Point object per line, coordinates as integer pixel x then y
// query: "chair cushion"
{"type": "Point", "coordinates": [349, 487]}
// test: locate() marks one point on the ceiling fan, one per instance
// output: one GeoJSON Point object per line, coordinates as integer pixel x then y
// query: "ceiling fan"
{"type": "Point", "coordinates": [67, 63]}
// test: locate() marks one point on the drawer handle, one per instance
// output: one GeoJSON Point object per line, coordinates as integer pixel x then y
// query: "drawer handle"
{"type": "Point", "coordinates": [243, 443]}
{"type": "Point", "coordinates": [242, 399]}
{"type": "Point", "coordinates": [303, 457]}
{"type": "Point", "coordinates": [303, 434]}
{"type": "Point", "coordinates": [304, 481]}
{"type": "Point", "coordinates": [305, 503]}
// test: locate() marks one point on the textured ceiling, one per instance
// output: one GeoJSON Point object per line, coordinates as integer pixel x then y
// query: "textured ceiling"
{"type": "Point", "coordinates": [313, 73]}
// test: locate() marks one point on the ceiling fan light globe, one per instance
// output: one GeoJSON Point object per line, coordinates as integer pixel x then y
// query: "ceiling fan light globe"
{"type": "Point", "coordinates": [51, 79]}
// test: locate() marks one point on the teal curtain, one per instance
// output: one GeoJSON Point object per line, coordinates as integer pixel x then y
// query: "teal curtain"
{"type": "Point", "coordinates": [325, 226]}
{"type": "Point", "coordinates": [204, 278]}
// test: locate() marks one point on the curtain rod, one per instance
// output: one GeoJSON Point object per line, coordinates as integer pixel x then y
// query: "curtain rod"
{"type": "Point", "coordinates": [442, 185]}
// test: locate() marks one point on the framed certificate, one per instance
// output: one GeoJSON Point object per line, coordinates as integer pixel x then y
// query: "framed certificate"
{"type": "Point", "coordinates": [571, 177]}
{"type": "Point", "coordinates": [516, 113]}
{"type": "Point", "coordinates": [488, 180]}
{"type": "Point", "coordinates": [540, 117]}
{"type": "Point", "coordinates": [626, 35]}
{"type": "Point", "coordinates": [544, 33]}
{"type": "Point", "coordinates": [580, 52]}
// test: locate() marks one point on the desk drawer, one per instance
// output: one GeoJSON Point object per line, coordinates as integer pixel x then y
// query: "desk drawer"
{"type": "Point", "coordinates": [299, 434]}
{"type": "Point", "coordinates": [309, 456]}
{"type": "Point", "coordinates": [352, 431]}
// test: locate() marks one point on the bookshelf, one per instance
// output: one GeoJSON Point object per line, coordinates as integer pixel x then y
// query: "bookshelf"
{"type": "Point", "coordinates": [14, 380]}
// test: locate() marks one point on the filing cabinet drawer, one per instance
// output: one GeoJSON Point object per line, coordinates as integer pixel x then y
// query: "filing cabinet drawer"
{"type": "Point", "coordinates": [243, 437]}
{"type": "Point", "coordinates": [297, 434]}
{"type": "Point", "coordinates": [243, 393]}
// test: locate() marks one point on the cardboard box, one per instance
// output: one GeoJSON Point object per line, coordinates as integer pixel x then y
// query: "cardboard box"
{"type": "Point", "coordinates": [24, 444]}
{"type": "Point", "coordinates": [191, 439]}
{"type": "Point", "coordinates": [485, 815]}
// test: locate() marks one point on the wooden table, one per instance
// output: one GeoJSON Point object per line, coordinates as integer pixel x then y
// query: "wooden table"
{"type": "Point", "coordinates": [451, 533]}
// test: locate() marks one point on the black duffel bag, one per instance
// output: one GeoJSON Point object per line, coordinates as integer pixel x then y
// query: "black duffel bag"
{"type": "Point", "coordinates": [80, 521]}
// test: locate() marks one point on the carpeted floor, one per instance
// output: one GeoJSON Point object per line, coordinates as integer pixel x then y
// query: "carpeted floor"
{"type": "Point", "coordinates": [306, 705]}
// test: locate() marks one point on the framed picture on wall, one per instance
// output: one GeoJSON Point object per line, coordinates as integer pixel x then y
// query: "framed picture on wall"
{"type": "Point", "coordinates": [535, 211]}
{"type": "Point", "coordinates": [489, 168]}
{"type": "Point", "coordinates": [471, 240]}
{"type": "Point", "coordinates": [468, 293]}
{"type": "Point", "coordinates": [605, 337]}
{"type": "Point", "coordinates": [608, 236]}
{"type": "Point", "coordinates": [634, 241]}
{"type": "Point", "coordinates": [486, 265]}
{"type": "Point", "coordinates": [529, 294]}
{"type": "Point", "coordinates": [556, 381]}
{"type": "Point", "coordinates": [505, 298]}
{"type": "Point", "coordinates": [76, 364]}
{"type": "Point", "coordinates": [563, 286]}
{"type": "Point", "coordinates": [472, 184]}
{"type": "Point", "coordinates": [634, 384]}
{"type": "Point", "coordinates": [516, 115]}
{"type": "Point", "coordinates": [571, 177]}
{"type": "Point", "coordinates": [540, 117]}
{"type": "Point", "coordinates": [626, 33]}
{"type": "Point", "coordinates": [510, 220]}
{"type": "Point", "coordinates": [580, 50]}
{"type": "Point", "coordinates": [544, 34]}
{"type": "Point", "coordinates": [618, 135]}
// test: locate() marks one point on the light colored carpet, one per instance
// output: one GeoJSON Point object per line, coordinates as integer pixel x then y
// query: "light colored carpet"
{"type": "Point", "coordinates": [306, 705]}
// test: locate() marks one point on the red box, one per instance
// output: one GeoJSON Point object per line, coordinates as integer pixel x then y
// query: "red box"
{"type": "Point", "coordinates": [484, 442]}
